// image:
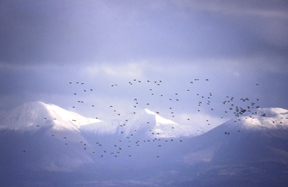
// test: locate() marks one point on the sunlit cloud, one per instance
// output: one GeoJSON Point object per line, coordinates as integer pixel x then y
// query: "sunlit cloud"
{"type": "Point", "coordinates": [121, 71]}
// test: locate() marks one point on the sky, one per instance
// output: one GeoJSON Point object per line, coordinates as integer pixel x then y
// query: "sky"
{"type": "Point", "coordinates": [45, 45]}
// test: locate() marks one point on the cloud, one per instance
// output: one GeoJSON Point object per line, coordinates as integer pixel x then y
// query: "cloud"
{"type": "Point", "coordinates": [121, 71]}
{"type": "Point", "coordinates": [99, 32]}
{"type": "Point", "coordinates": [123, 183]}
{"type": "Point", "coordinates": [264, 9]}
{"type": "Point", "coordinates": [45, 45]}
{"type": "Point", "coordinates": [199, 120]}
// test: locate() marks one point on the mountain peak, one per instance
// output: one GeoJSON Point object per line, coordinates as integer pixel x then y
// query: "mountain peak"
{"type": "Point", "coordinates": [155, 125]}
{"type": "Point", "coordinates": [32, 115]}
{"type": "Point", "coordinates": [160, 120]}
{"type": "Point", "coordinates": [144, 123]}
{"type": "Point", "coordinates": [262, 120]}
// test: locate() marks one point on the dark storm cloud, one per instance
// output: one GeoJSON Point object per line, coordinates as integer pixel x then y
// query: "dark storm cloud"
{"type": "Point", "coordinates": [95, 31]}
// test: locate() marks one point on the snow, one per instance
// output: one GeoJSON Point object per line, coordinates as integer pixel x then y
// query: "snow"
{"type": "Point", "coordinates": [266, 119]}
{"type": "Point", "coordinates": [35, 115]}
{"type": "Point", "coordinates": [259, 141]}
{"type": "Point", "coordinates": [144, 122]}
{"type": "Point", "coordinates": [31, 116]}
{"type": "Point", "coordinates": [165, 127]}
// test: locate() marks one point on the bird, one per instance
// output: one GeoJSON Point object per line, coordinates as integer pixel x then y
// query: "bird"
{"type": "Point", "coordinates": [205, 99]}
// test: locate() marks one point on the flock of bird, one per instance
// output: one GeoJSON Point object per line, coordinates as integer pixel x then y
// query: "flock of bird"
{"type": "Point", "coordinates": [229, 100]}
{"type": "Point", "coordinates": [127, 142]}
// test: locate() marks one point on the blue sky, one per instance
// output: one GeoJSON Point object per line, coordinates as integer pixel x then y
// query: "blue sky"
{"type": "Point", "coordinates": [234, 44]}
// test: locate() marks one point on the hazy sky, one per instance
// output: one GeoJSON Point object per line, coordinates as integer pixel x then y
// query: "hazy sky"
{"type": "Point", "coordinates": [235, 44]}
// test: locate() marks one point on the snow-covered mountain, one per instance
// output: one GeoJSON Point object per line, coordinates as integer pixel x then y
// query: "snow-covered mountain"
{"type": "Point", "coordinates": [31, 116]}
{"type": "Point", "coordinates": [56, 129]}
{"type": "Point", "coordinates": [262, 127]}
{"type": "Point", "coordinates": [251, 150]}
{"type": "Point", "coordinates": [145, 124]}
{"type": "Point", "coordinates": [48, 145]}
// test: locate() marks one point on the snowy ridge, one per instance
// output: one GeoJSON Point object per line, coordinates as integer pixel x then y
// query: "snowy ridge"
{"type": "Point", "coordinates": [30, 116]}
{"type": "Point", "coordinates": [267, 118]}
{"type": "Point", "coordinates": [263, 119]}
{"type": "Point", "coordinates": [257, 137]}
{"type": "Point", "coordinates": [167, 128]}
{"type": "Point", "coordinates": [35, 115]}
{"type": "Point", "coordinates": [146, 123]}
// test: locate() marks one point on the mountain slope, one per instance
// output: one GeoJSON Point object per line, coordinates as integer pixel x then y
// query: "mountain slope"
{"type": "Point", "coordinates": [29, 116]}
{"type": "Point", "coordinates": [247, 130]}
{"type": "Point", "coordinates": [44, 132]}
{"type": "Point", "coordinates": [57, 137]}
{"type": "Point", "coordinates": [145, 124]}
{"type": "Point", "coordinates": [255, 152]}
{"type": "Point", "coordinates": [251, 150]}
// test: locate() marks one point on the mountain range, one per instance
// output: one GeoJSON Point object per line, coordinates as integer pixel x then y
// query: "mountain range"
{"type": "Point", "coordinates": [45, 145]}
